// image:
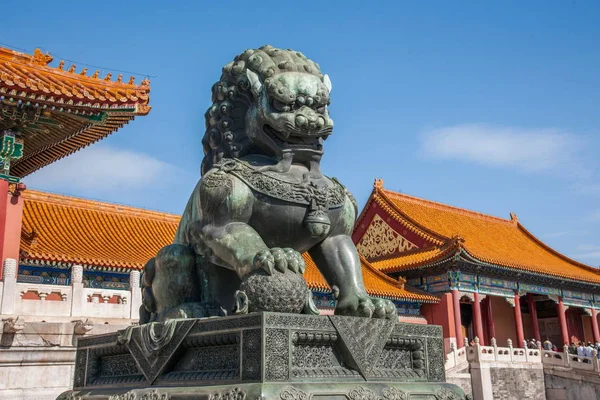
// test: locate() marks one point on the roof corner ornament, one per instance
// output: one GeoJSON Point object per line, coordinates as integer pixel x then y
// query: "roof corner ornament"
{"type": "Point", "coordinates": [378, 184]}
{"type": "Point", "coordinates": [40, 58]}
{"type": "Point", "coordinates": [514, 218]}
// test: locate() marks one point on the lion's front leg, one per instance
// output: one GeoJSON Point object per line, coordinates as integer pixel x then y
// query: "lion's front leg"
{"type": "Point", "coordinates": [227, 203]}
{"type": "Point", "coordinates": [339, 263]}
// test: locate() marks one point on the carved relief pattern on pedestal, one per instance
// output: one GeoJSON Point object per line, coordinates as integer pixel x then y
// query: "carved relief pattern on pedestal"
{"type": "Point", "coordinates": [277, 354]}
{"type": "Point", "coordinates": [131, 395]}
{"type": "Point", "coordinates": [118, 365]}
{"type": "Point", "coordinates": [298, 321]}
{"type": "Point", "coordinates": [80, 367]}
{"type": "Point", "coordinates": [232, 394]}
{"type": "Point", "coordinates": [380, 239]}
{"type": "Point", "coordinates": [292, 393]}
{"type": "Point", "coordinates": [436, 359]}
{"type": "Point", "coordinates": [222, 358]}
{"type": "Point", "coordinates": [363, 338]}
{"type": "Point", "coordinates": [252, 351]}
{"type": "Point", "coordinates": [361, 393]}
{"type": "Point", "coordinates": [392, 393]}
{"type": "Point", "coordinates": [446, 394]}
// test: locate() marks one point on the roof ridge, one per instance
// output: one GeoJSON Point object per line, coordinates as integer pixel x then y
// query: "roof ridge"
{"type": "Point", "coordinates": [41, 61]}
{"type": "Point", "coordinates": [95, 205]}
{"type": "Point", "coordinates": [442, 206]}
{"type": "Point", "coordinates": [555, 252]}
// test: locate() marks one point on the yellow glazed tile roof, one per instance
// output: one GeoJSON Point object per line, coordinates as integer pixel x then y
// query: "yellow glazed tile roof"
{"type": "Point", "coordinates": [503, 242]}
{"type": "Point", "coordinates": [71, 230]}
{"type": "Point", "coordinates": [411, 259]}
{"type": "Point", "coordinates": [65, 229]}
{"type": "Point", "coordinates": [376, 283]}
{"type": "Point", "coordinates": [31, 77]}
{"type": "Point", "coordinates": [67, 109]}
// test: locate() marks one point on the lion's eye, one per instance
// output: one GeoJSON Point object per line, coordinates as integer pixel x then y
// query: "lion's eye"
{"type": "Point", "coordinates": [281, 107]}
{"type": "Point", "coordinates": [321, 110]}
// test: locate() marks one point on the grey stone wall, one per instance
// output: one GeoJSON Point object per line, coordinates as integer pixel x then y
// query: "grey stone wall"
{"type": "Point", "coordinates": [462, 380]}
{"type": "Point", "coordinates": [562, 384]}
{"type": "Point", "coordinates": [518, 383]}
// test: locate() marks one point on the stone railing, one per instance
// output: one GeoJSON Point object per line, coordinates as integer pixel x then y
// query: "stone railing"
{"type": "Point", "coordinates": [564, 359]}
{"type": "Point", "coordinates": [456, 357]}
{"type": "Point", "coordinates": [34, 299]}
{"type": "Point", "coordinates": [494, 353]}
{"type": "Point", "coordinates": [478, 353]}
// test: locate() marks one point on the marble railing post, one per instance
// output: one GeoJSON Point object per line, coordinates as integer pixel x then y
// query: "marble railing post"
{"type": "Point", "coordinates": [9, 287]}
{"type": "Point", "coordinates": [136, 294]}
{"type": "Point", "coordinates": [565, 355]}
{"type": "Point", "coordinates": [78, 299]}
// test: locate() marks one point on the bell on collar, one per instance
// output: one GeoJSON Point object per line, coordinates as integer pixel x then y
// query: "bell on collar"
{"type": "Point", "coordinates": [317, 221]}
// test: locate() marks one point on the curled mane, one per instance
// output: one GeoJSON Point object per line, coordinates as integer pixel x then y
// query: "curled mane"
{"type": "Point", "coordinates": [225, 135]}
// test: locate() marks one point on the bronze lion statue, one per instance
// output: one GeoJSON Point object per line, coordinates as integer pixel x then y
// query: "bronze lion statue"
{"type": "Point", "coordinates": [261, 202]}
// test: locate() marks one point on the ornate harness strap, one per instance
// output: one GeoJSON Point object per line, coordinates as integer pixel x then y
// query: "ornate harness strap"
{"type": "Point", "coordinates": [332, 196]}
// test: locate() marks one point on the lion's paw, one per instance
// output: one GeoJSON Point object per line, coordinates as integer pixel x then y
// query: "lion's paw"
{"type": "Point", "coordinates": [364, 306]}
{"type": "Point", "coordinates": [385, 309]}
{"type": "Point", "coordinates": [279, 259]}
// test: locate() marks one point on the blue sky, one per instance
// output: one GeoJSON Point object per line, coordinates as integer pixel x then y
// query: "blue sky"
{"type": "Point", "coordinates": [491, 106]}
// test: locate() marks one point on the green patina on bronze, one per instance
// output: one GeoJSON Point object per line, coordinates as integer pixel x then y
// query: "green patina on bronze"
{"type": "Point", "coordinates": [262, 201]}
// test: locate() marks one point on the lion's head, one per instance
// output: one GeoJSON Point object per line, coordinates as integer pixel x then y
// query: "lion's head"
{"type": "Point", "coordinates": [268, 101]}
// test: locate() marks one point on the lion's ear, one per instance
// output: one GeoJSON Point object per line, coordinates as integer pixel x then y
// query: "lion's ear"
{"type": "Point", "coordinates": [327, 82]}
{"type": "Point", "coordinates": [255, 84]}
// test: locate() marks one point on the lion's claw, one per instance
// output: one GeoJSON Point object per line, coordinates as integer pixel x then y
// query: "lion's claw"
{"type": "Point", "coordinates": [364, 306]}
{"type": "Point", "coordinates": [280, 260]}
{"type": "Point", "coordinates": [264, 260]}
{"type": "Point", "coordinates": [384, 309]}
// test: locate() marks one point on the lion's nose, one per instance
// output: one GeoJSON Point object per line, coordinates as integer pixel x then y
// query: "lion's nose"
{"type": "Point", "coordinates": [301, 121]}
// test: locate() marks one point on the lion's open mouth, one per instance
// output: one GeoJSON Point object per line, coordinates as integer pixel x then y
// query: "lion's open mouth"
{"type": "Point", "coordinates": [295, 139]}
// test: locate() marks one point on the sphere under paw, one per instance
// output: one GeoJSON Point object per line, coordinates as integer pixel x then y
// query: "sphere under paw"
{"type": "Point", "coordinates": [284, 292]}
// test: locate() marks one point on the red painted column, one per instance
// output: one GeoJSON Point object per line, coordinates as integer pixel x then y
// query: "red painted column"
{"type": "Point", "coordinates": [490, 318]}
{"type": "Point", "coordinates": [595, 325]}
{"type": "Point", "coordinates": [534, 318]}
{"type": "Point", "coordinates": [457, 321]}
{"type": "Point", "coordinates": [3, 211]}
{"type": "Point", "coordinates": [518, 321]}
{"type": "Point", "coordinates": [563, 322]}
{"type": "Point", "coordinates": [477, 319]}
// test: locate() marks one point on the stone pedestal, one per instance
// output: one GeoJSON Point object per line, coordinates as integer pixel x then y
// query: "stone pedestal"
{"type": "Point", "coordinates": [265, 356]}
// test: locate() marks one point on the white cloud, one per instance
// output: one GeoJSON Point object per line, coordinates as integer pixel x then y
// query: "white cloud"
{"type": "Point", "coordinates": [564, 233]}
{"type": "Point", "coordinates": [531, 150]}
{"type": "Point", "coordinates": [101, 170]}
{"type": "Point", "coordinates": [595, 216]}
{"type": "Point", "coordinates": [588, 253]}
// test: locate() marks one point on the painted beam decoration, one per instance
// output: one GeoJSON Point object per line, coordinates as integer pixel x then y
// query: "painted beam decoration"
{"type": "Point", "coordinates": [11, 149]}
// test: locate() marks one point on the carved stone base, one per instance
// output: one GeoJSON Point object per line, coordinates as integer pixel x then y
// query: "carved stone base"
{"type": "Point", "coordinates": [281, 391]}
{"type": "Point", "coordinates": [283, 356]}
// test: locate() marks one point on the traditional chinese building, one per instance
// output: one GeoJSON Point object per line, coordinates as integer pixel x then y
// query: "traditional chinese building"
{"type": "Point", "coordinates": [495, 279]}
{"type": "Point", "coordinates": [100, 248]}
{"type": "Point", "coordinates": [47, 113]}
